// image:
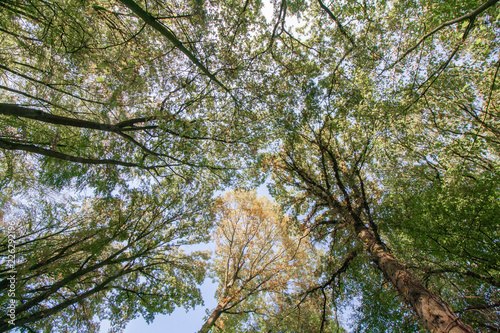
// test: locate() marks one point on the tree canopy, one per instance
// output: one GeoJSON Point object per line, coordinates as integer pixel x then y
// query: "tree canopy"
{"type": "Point", "coordinates": [262, 262]}
{"type": "Point", "coordinates": [374, 123]}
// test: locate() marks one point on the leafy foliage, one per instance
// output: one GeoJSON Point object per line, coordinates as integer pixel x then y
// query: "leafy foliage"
{"type": "Point", "coordinates": [259, 257]}
{"type": "Point", "coordinates": [113, 258]}
{"type": "Point", "coordinates": [377, 120]}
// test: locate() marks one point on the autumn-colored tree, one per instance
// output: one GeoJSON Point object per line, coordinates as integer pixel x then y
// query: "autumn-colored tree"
{"type": "Point", "coordinates": [258, 258]}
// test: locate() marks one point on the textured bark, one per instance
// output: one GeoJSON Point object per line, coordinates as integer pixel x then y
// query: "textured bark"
{"type": "Point", "coordinates": [432, 310]}
{"type": "Point", "coordinates": [213, 318]}
{"type": "Point", "coordinates": [436, 314]}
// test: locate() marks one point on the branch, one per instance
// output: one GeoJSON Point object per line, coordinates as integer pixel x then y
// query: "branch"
{"type": "Point", "coordinates": [149, 19]}
{"type": "Point", "coordinates": [68, 302]}
{"type": "Point", "coordinates": [20, 111]}
{"type": "Point", "coordinates": [480, 307]}
{"type": "Point", "coordinates": [339, 25]}
{"type": "Point", "coordinates": [33, 97]}
{"type": "Point", "coordinates": [124, 126]}
{"type": "Point", "coordinates": [49, 85]}
{"type": "Point", "coordinates": [51, 153]}
{"type": "Point", "coordinates": [342, 269]}
{"type": "Point", "coordinates": [471, 17]}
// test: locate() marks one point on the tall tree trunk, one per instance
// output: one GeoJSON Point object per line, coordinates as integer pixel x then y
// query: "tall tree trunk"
{"type": "Point", "coordinates": [436, 314]}
{"type": "Point", "coordinates": [213, 318]}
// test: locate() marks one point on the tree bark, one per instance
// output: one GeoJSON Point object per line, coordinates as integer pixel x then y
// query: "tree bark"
{"type": "Point", "coordinates": [436, 314]}
{"type": "Point", "coordinates": [213, 318]}
{"type": "Point", "coordinates": [20, 111]}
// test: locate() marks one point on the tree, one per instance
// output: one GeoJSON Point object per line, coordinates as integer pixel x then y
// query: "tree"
{"type": "Point", "coordinates": [380, 114]}
{"type": "Point", "coordinates": [113, 258]}
{"type": "Point", "coordinates": [332, 179]}
{"type": "Point", "coordinates": [263, 265]}
{"type": "Point", "coordinates": [256, 253]}
{"type": "Point", "coordinates": [99, 101]}
{"type": "Point", "coordinates": [98, 95]}
{"type": "Point", "coordinates": [378, 119]}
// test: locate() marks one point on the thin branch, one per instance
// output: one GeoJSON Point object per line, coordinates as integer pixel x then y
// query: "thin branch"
{"type": "Point", "coordinates": [480, 307]}
{"type": "Point", "coordinates": [471, 17]}
{"type": "Point", "coordinates": [342, 269]}
{"type": "Point", "coordinates": [491, 90]}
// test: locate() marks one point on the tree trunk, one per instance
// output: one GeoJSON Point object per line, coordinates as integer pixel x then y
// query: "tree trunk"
{"type": "Point", "coordinates": [213, 318]}
{"type": "Point", "coordinates": [436, 314]}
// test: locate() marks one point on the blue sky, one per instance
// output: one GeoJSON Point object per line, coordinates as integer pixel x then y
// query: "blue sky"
{"type": "Point", "coordinates": [180, 321]}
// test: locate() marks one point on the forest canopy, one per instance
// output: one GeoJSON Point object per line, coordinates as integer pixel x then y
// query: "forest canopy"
{"type": "Point", "coordinates": [374, 124]}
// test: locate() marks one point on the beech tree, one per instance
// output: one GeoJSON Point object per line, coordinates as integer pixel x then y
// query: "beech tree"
{"type": "Point", "coordinates": [332, 181]}
{"type": "Point", "coordinates": [103, 97]}
{"type": "Point", "coordinates": [257, 253]}
{"type": "Point", "coordinates": [392, 108]}
{"type": "Point", "coordinates": [94, 90]}
{"type": "Point", "coordinates": [96, 259]}
{"type": "Point", "coordinates": [378, 121]}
